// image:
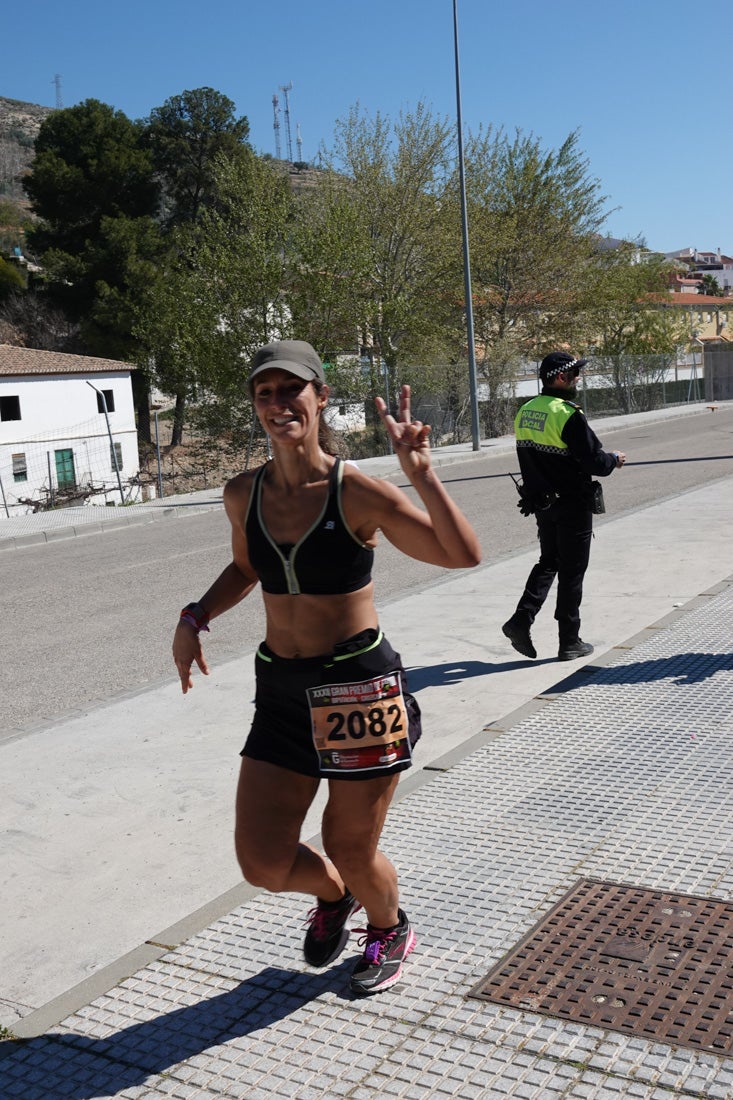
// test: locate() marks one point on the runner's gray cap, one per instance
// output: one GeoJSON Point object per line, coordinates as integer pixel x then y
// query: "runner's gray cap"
{"type": "Point", "coordinates": [294, 356]}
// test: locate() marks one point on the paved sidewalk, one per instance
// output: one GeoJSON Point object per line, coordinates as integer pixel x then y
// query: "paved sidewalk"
{"type": "Point", "coordinates": [621, 772]}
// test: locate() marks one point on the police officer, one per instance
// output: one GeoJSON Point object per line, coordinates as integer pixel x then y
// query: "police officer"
{"type": "Point", "coordinates": [558, 457]}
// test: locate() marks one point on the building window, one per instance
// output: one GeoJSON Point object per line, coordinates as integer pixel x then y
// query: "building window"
{"type": "Point", "coordinates": [9, 408]}
{"type": "Point", "coordinates": [20, 467]}
{"type": "Point", "coordinates": [115, 452]}
{"type": "Point", "coordinates": [109, 397]}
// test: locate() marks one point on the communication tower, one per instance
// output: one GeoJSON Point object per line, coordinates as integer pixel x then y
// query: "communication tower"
{"type": "Point", "coordinates": [299, 142]}
{"type": "Point", "coordinates": [286, 89]}
{"type": "Point", "coordinates": [276, 125]}
{"type": "Point", "coordinates": [57, 81]}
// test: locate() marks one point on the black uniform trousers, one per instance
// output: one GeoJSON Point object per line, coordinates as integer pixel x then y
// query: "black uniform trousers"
{"type": "Point", "coordinates": [564, 530]}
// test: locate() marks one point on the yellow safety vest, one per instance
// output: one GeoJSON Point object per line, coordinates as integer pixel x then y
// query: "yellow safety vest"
{"type": "Point", "coordinates": [540, 423]}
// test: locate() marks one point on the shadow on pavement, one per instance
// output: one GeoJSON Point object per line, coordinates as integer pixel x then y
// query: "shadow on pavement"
{"type": "Point", "coordinates": [422, 676]}
{"type": "Point", "coordinates": [78, 1067]}
{"type": "Point", "coordinates": [683, 669]}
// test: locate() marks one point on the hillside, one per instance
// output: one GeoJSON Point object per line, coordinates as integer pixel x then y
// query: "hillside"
{"type": "Point", "coordinates": [19, 126]}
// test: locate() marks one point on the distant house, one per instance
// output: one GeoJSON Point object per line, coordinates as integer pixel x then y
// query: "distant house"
{"type": "Point", "coordinates": [67, 431]}
{"type": "Point", "coordinates": [696, 264]}
{"type": "Point", "coordinates": [707, 317]}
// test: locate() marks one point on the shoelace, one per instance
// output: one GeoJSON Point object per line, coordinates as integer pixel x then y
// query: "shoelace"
{"type": "Point", "coordinates": [321, 920]}
{"type": "Point", "coordinates": [374, 941]}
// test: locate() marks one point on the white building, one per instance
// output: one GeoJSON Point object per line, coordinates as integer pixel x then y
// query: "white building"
{"type": "Point", "coordinates": [67, 431]}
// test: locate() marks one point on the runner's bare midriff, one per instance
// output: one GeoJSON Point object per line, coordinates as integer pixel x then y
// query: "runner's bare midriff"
{"type": "Point", "coordinates": [307, 626]}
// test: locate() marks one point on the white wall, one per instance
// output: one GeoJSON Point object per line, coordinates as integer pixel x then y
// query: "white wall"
{"type": "Point", "coordinates": [60, 412]}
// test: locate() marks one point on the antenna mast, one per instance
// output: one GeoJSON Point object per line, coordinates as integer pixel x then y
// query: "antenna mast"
{"type": "Point", "coordinates": [299, 142]}
{"type": "Point", "coordinates": [285, 89]}
{"type": "Point", "coordinates": [276, 125]}
{"type": "Point", "coordinates": [59, 102]}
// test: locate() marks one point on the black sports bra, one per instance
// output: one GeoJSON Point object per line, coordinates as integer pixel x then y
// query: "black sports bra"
{"type": "Point", "coordinates": [327, 560]}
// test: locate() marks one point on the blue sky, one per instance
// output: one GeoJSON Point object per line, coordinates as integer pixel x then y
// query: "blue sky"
{"type": "Point", "coordinates": [646, 82]}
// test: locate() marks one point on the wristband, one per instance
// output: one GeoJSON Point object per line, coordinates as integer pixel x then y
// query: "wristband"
{"type": "Point", "coordinates": [195, 616]}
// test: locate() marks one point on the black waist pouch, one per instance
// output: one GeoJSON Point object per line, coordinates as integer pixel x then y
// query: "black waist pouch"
{"type": "Point", "coordinates": [597, 504]}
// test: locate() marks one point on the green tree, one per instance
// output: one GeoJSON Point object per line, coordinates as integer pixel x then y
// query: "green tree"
{"type": "Point", "coordinates": [11, 280]}
{"type": "Point", "coordinates": [186, 136]}
{"type": "Point", "coordinates": [219, 294]}
{"type": "Point", "coordinates": [90, 164]}
{"type": "Point", "coordinates": [329, 268]}
{"type": "Point", "coordinates": [92, 186]}
{"type": "Point", "coordinates": [399, 191]}
{"type": "Point", "coordinates": [636, 329]}
{"type": "Point", "coordinates": [710, 285]}
{"type": "Point", "coordinates": [534, 216]}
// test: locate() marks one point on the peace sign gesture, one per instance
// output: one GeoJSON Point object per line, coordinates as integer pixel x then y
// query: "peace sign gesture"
{"type": "Point", "coordinates": [409, 437]}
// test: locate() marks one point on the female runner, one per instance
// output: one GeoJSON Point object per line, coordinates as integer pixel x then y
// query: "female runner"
{"type": "Point", "coordinates": [331, 699]}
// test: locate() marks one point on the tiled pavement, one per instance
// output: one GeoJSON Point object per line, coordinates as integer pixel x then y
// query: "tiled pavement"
{"type": "Point", "coordinates": [623, 772]}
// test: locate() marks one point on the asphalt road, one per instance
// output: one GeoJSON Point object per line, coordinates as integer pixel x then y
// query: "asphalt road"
{"type": "Point", "coordinates": [88, 618]}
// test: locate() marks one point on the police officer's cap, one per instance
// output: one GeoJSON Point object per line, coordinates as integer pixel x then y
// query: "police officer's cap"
{"type": "Point", "coordinates": [558, 362]}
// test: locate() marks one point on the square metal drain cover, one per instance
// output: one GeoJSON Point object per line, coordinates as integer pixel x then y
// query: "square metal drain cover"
{"type": "Point", "coordinates": [652, 964]}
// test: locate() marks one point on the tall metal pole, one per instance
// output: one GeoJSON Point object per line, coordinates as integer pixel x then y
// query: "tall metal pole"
{"type": "Point", "coordinates": [475, 431]}
{"type": "Point", "coordinates": [5, 503]}
{"type": "Point", "coordinates": [111, 441]}
{"type": "Point", "coordinates": [157, 452]}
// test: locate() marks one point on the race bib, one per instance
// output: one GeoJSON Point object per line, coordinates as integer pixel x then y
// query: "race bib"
{"type": "Point", "coordinates": [360, 727]}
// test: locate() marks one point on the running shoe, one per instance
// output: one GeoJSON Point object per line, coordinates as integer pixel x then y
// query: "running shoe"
{"type": "Point", "coordinates": [327, 935]}
{"type": "Point", "coordinates": [384, 952]}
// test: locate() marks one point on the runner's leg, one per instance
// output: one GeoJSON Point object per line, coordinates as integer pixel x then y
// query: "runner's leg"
{"type": "Point", "coordinates": [271, 806]}
{"type": "Point", "coordinates": [352, 824]}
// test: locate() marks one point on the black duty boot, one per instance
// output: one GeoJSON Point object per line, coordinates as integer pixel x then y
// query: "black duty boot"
{"type": "Point", "coordinates": [518, 634]}
{"type": "Point", "coordinates": [570, 651]}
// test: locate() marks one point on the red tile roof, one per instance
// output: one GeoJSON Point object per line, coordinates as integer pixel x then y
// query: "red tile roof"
{"type": "Point", "coordinates": [700, 300]}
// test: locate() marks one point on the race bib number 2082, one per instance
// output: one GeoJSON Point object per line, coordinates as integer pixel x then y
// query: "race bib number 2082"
{"type": "Point", "coordinates": [361, 726]}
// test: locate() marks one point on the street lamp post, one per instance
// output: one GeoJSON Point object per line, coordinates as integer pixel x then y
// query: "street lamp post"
{"type": "Point", "coordinates": [475, 431]}
{"type": "Point", "coordinates": [103, 402]}
{"type": "Point", "coordinates": [157, 452]}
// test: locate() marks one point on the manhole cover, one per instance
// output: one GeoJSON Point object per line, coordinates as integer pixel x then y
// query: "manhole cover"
{"type": "Point", "coordinates": [645, 962]}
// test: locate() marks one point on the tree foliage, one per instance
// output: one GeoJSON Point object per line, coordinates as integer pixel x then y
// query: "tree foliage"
{"type": "Point", "coordinates": [329, 266]}
{"type": "Point", "coordinates": [11, 280]}
{"type": "Point", "coordinates": [534, 215]}
{"type": "Point", "coordinates": [710, 285]}
{"type": "Point", "coordinates": [90, 164]}
{"type": "Point", "coordinates": [399, 177]}
{"type": "Point", "coordinates": [220, 293]}
{"type": "Point", "coordinates": [92, 187]}
{"type": "Point", "coordinates": [637, 330]}
{"type": "Point", "coordinates": [185, 136]}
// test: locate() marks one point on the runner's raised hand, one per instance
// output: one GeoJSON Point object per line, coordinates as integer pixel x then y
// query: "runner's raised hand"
{"type": "Point", "coordinates": [411, 438]}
